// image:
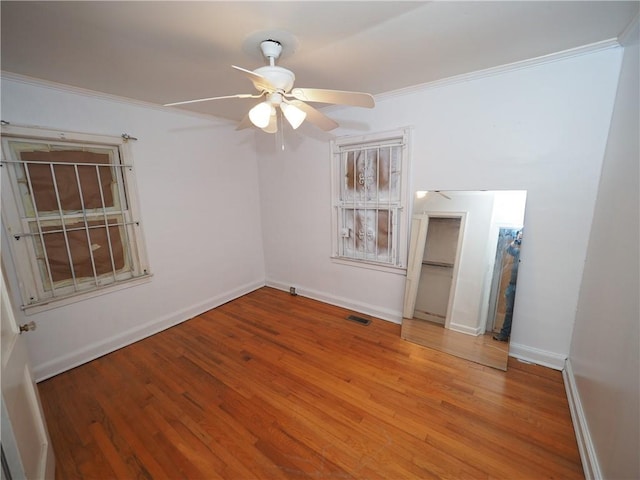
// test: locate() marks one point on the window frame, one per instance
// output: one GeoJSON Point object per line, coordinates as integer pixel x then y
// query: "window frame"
{"type": "Point", "coordinates": [400, 208]}
{"type": "Point", "coordinates": [35, 296]}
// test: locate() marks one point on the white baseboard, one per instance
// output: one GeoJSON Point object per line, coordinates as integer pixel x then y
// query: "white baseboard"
{"type": "Point", "coordinates": [457, 327]}
{"type": "Point", "coordinates": [98, 349]}
{"type": "Point", "coordinates": [537, 356]}
{"type": "Point", "coordinates": [372, 310]}
{"type": "Point", "coordinates": [588, 456]}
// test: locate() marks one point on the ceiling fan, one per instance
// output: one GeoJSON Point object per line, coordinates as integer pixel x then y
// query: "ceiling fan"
{"type": "Point", "coordinates": [275, 84]}
{"type": "Point", "coordinates": [428, 193]}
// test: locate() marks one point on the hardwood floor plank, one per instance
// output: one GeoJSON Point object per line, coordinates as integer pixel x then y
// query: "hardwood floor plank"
{"type": "Point", "coordinates": [146, 456]}
{"type": "Point", "coordinates": [277, 386]}
{"type": "Point", "coordinates": [113, 456]}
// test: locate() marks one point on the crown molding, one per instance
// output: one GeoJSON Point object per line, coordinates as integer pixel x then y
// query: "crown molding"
{"type": "Point", "coordinates": [509, 67]}
{"type": "Point", "coordinates": [624, 37]}
{"type": "Point", "coordinates": [629, 35]}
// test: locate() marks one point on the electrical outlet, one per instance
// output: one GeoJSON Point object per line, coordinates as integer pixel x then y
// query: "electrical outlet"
{"type": "Point", "coordinates": [292, 291]}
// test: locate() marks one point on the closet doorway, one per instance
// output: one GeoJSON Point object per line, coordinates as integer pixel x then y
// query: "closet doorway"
{"type": "Point", "coordinates": [433, 272]}
{"type": "Point", "coordinates": [437, 270]}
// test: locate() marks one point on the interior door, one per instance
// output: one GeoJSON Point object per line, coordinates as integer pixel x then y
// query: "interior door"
{"type": "Point", "coordinates": [26, 448]}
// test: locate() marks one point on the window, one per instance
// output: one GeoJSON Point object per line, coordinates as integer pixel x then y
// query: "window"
{"type": "Point", "coordinates": [69, 208]}
{"type": "Point", "coordinates": [369, 194]}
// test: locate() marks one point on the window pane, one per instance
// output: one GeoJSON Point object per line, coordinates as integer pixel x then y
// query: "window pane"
{"type": "Point", "coordinates": [370, 232]}
{"type": "Point", "coordinates": [58, 249]}
{"type": "Point", "coordinates": [372, 174]}
{"type": "Point", "coordinates": [95, 185]}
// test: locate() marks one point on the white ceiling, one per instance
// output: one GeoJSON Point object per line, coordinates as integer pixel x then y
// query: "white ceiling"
{"type": "Point", "coordinates": [163, 52]}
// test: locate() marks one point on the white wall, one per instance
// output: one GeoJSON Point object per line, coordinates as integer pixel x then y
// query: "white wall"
{"type": "Point", "coordinates": [541, 129]}
{"type": "Point", "coordinates": [198, 189]}
{"type": "Point", "coordinates": [605, 351]}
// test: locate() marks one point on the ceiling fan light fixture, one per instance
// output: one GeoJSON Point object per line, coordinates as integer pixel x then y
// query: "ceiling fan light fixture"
{"type": "Point", "coordinates": [261, 114]}
{"type": "Point", "coordinates": [293, 114]}
{"type": "Point", "coordinates": [273, 123]}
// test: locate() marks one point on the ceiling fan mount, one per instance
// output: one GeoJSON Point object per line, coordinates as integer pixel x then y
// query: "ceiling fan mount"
{"type": "Point", "coordinates": [271, 49]}
{"type": "Point", "coordinates": [276, 85]}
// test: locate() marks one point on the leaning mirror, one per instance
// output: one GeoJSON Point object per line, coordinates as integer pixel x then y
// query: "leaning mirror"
{"type": "Point", "coordinates": [462, 272]}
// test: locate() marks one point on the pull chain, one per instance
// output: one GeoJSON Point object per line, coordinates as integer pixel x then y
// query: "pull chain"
{"type": "Point", "coordinates": [281, 129]}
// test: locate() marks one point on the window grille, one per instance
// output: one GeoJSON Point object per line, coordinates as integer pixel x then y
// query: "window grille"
{"type": "Point", "coordinates": [369, 199]}
{"type": "Point", "coordinates": [71, 214]}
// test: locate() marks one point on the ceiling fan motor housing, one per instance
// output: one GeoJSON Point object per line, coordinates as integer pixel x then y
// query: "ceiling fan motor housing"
{"type": "Point", "coordinates": [280, 78]}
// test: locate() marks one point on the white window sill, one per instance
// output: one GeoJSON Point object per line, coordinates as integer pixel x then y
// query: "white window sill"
{"type": "Point", "coordinates": [370, 265]}
{"type": "Point", "coordinates": [52, 303]}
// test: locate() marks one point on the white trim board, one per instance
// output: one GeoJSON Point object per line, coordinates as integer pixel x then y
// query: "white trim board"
{"type": "Point", "coordinates": [510, 67]}
{"type": "Point", "coordinates": [61, 87]}
{"type": "Point", "coordinates": [537, 356]}
{"type": "Point", "coordinates": [587, 450]}
{"type": "Point", "coordinates": [372, 310]}
{"type": "Point", "coordinates": [98, 349]}
{"type": "Point", "coordinates": [553, 57]}
{"type": "Point", "coordinates": [467, 330]}
{"type": "Point", "coordinates": [522, 352]}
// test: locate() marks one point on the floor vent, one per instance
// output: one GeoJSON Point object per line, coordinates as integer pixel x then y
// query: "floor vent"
{"type": "Point", "coordinates": [363, 321]}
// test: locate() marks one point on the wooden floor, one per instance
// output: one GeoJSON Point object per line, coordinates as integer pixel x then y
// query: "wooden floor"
{"type": "Point", "coordinates": [481, 349]}
{"type": "Point", "coordinates": [276, 386]}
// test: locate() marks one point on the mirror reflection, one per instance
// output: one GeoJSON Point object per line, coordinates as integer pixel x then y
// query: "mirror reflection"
{"type": "Point", "coordinates": [462, 272]}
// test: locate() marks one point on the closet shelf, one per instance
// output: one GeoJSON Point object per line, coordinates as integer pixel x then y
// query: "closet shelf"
{"type": "Point", "coordinates": [437, 264]}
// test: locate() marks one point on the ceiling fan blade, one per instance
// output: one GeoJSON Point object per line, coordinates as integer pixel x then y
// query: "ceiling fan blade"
{"type": "Point", "coordinates": [240, 95]}
{"type": "Point", "coordinates": [338, 97]}
{"type": "Point", "coordinates": [260, 82]}
{"type": "Point", "coordinates": [244, 123]}
{"type": "Point", "coordinates": [314, 116]}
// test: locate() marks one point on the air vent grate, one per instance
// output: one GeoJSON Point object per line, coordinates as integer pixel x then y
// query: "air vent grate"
{"type": "Point", "coordinates": [363, 321]}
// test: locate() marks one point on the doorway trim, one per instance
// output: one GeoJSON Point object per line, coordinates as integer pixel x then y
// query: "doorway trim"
{"type": "Point", "coordinates": [419, 232]}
